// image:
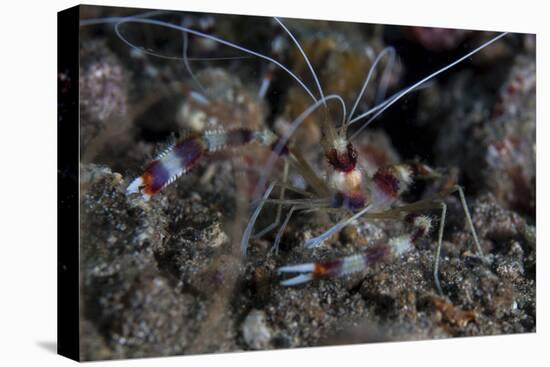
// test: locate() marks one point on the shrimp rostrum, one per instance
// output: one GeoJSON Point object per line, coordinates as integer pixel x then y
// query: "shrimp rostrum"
{"type": "Point", "coordinates": [346, 188]}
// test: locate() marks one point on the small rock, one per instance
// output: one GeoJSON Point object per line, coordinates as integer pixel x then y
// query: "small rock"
{"type": "Point", "coordinates": [256, 333]}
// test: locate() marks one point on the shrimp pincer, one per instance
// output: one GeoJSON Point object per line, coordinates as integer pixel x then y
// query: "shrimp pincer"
{"type": "Point", "coordinates": [180, 158]}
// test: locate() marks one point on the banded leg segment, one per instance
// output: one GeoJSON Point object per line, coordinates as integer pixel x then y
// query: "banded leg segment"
{"type": "Point", "coordinates": [394, 248]}
{"type": "Point", "coordinates": [186, 153]}
{"type": "Point", "coordinates": [168, 166]}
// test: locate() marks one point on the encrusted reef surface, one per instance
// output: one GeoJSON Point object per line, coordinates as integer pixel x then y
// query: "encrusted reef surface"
{"type": "Point", "coordinates": [166, 277]}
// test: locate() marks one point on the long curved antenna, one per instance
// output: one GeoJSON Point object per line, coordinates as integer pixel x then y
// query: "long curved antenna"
{"type": "Point", "coordinates": [422, 81]}
{"type": "Point", "coordinates": [94, 21]}
{"type": "Point", "coordinates": [185, 44]}
{"type": "Point", "coordinates": [114, 20]}
{"type": "Point", "coordinates": [385, 79]}
{"type": "Point", "coordinates": [387, 50]}
{"type": "Point", "coordinates": [385, 102]}
{"type": "Point", "coordinates": [207, 36]}
{"type": "Point", "coordinates": [283, 140]}
{"type": "Point", "coordinates": [304, 56]}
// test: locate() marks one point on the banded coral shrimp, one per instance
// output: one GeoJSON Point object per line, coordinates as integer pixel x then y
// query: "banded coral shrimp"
{"type": "Point", "coordinates": [343, 176]}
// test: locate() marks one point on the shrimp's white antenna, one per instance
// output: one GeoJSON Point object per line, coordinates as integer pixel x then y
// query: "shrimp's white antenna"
{"type": "Point", "coordinates": [94, 21]}
{"type": "Point", "coordinates": [385, 79]}
{"type": "Point", "coordinates": [394, 99]}
{"type": "Point", "coordinates": [114, 20]}
{"type": "Point", "coordinates": [185, 46]}
{"type": "Point", "coordinates": [386, 51]}
{"type": "Point", "coordinates": [207, 36]}
{"type": "Point", "coordinates": [305, 57]}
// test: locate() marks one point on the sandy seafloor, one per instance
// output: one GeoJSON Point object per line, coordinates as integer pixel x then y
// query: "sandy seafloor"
{"type": "Point", "coordinates": [166, 277]}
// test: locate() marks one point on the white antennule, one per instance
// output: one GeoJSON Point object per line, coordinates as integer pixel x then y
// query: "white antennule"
{"type": "Point", "coordinates": [406, 91]}
{"type": "Point", "coordinates": [129, 20]}
{"type": "Point", "coordinates": [387, 51]}
{"type": "Point", "coordinates": [185, 44]}
{"type": "Point", "coordinates": [305, 58]}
